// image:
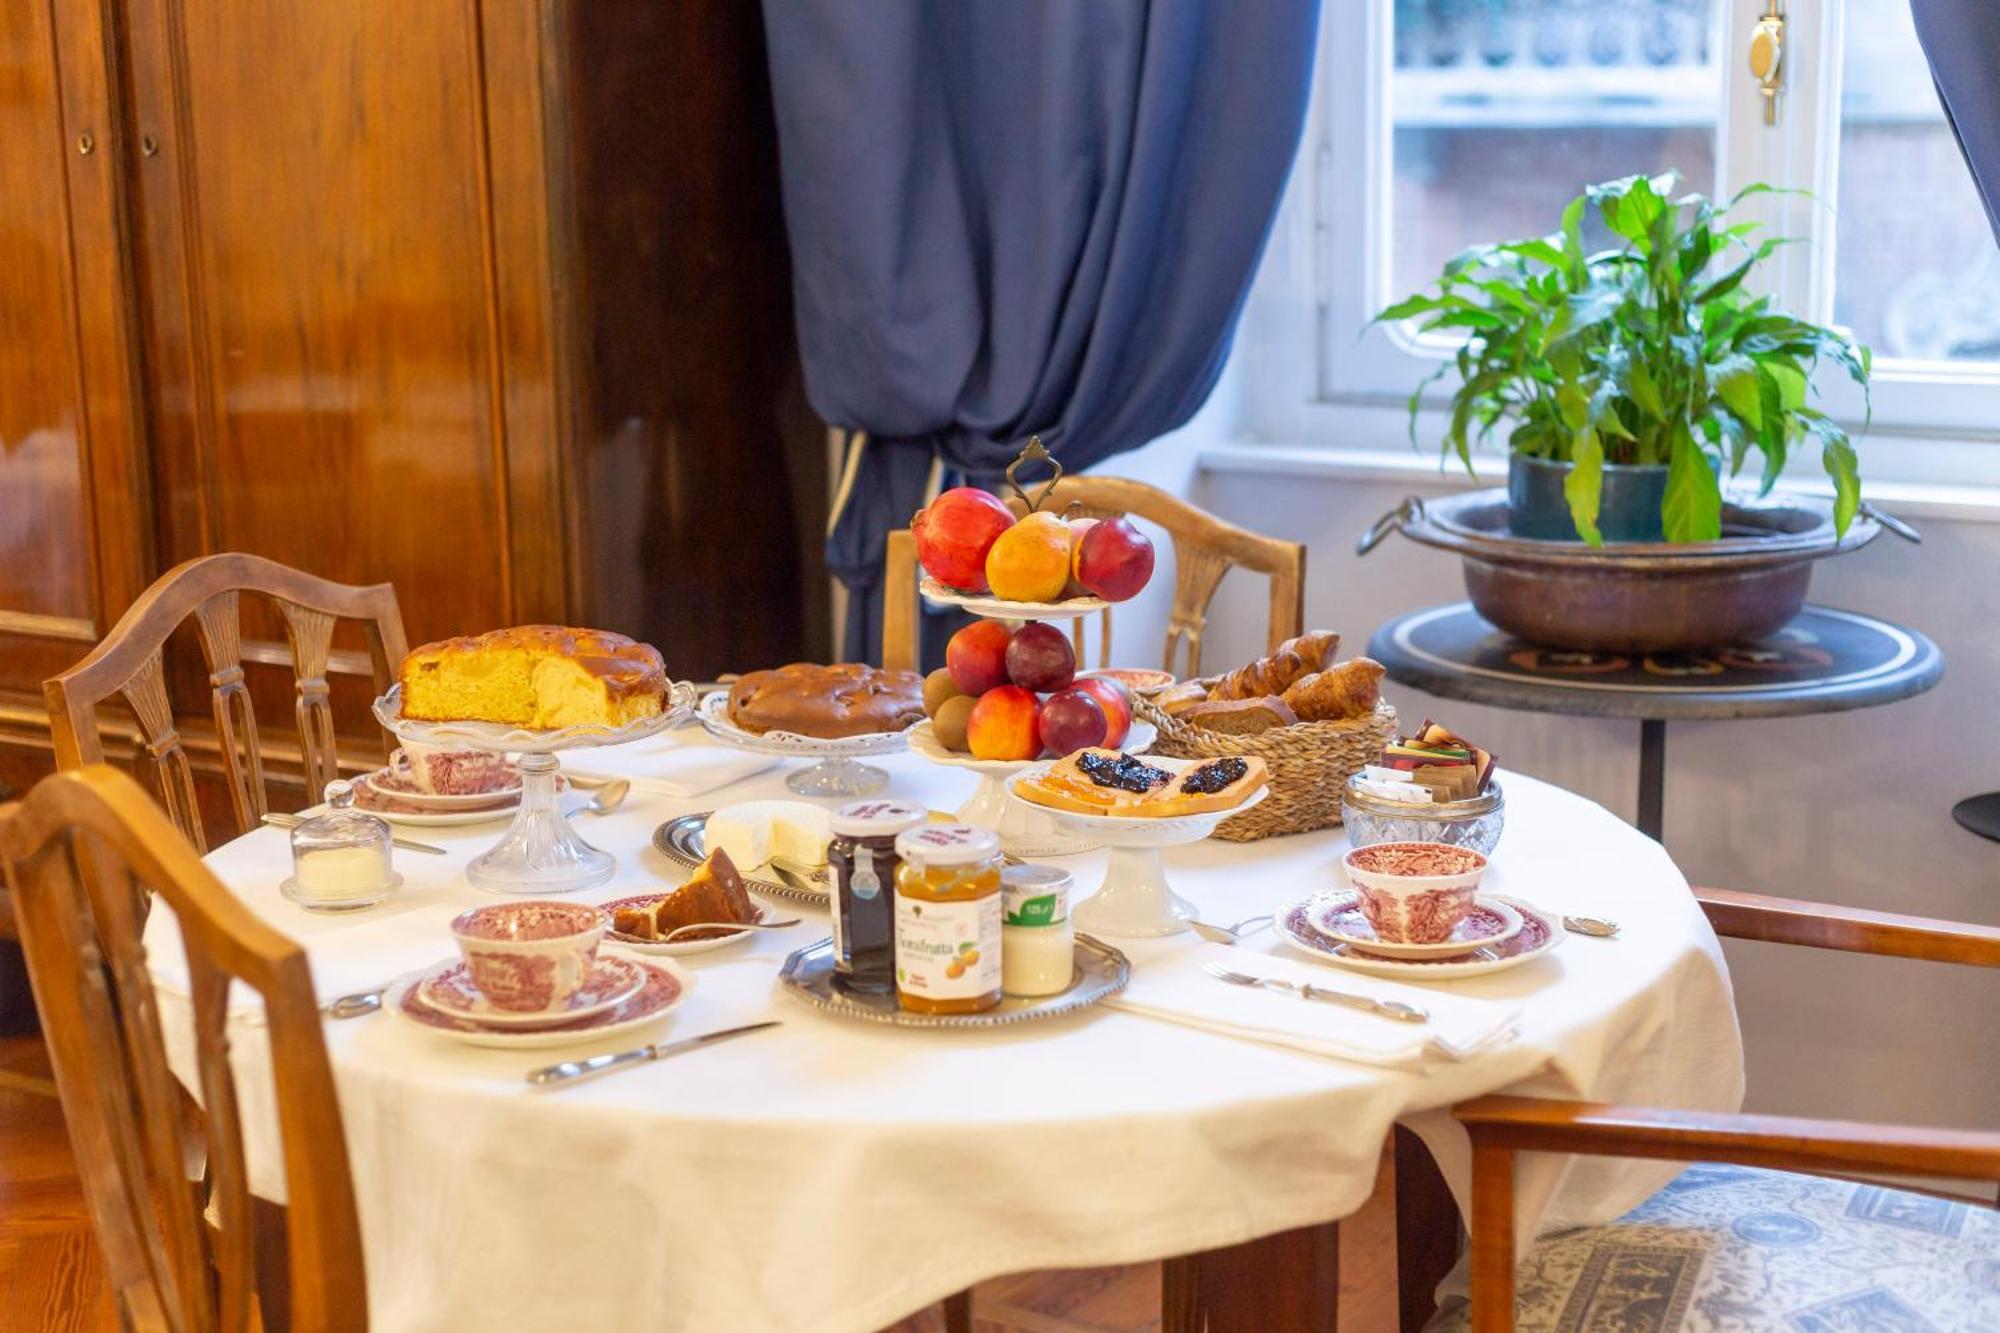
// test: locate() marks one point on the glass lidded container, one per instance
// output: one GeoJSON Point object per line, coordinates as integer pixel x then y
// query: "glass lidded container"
{"type": "Point", "coordinates": [341, 857]}
{"type": "Point", "coordinates": [1475, 822]}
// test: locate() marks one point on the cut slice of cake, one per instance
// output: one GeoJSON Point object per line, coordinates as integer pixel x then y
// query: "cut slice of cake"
{"type": "Point", "coordinates": [714, 892]}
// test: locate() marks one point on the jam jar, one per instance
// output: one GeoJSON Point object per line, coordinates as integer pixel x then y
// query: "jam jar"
{"type": "Point", "coordinates": [863, 859]}
{"type": "Point", "coordinates": [948, 919]}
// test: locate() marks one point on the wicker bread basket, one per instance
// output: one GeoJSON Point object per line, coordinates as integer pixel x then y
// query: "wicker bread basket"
{"type": "Point", "coordinates": [1310, 764]}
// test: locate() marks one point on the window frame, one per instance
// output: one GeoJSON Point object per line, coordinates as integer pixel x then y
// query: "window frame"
{"type": "Point", "coordinates": [1326, 272]}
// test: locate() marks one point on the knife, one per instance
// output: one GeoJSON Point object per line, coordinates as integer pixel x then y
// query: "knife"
{"type": "Point", "coordinates": [571, 1070]}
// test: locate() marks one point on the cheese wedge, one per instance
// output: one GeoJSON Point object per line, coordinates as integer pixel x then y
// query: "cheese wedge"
{"type": "Point", "coordinates": [757, 832]}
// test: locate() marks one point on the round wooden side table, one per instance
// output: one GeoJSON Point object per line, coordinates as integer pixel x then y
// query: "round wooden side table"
{"type": "Point", "coordinates": [1824, 661]}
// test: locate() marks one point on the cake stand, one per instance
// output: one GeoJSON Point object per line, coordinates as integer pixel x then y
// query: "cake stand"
{"type": "Point", "coordinates": [1025, 830]}
{"type": "Point", "coordinates": [835, 775]}
{"type": "Point", "coordinates": [540, 852]}
{"type": "Point", "coordinates": [999, 608]}
{"type": "Point", "coordinates": [1135, 901]}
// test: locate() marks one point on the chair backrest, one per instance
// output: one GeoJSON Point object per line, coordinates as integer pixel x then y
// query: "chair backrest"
{"type": "Point", "coordinates": [80, 853]}
{"type": "Point", "coordinates": [131, 661]}
{"type": "Point", "coordinates": [1205, 549]}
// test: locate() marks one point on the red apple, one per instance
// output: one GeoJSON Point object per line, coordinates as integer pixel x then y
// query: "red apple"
{"type": "Point", "coordinates": [1117, 705]}
{"type": "Point", "coordinates": [1039, 658]}
{"type": "Point", "coordinates": [954, 533]}
{"type": "Point", "coordinates": [1077, 527]}
{"type": "Point", "coordinates": [1114, 559]}
{"type": "Point", "coordinates": [1004, 725]}
{"type": "Point", "coordinates": [976, 657]}
{"type": "Point", "coordinates": [1073, 720]}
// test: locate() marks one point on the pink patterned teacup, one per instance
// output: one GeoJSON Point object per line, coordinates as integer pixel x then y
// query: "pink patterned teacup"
{"type": "Point", "coordinates": [1414, 892]}
{"type": "Point", "coordinates": [439, 771]}
{"type": "Point", "coordinates": [529, 957]}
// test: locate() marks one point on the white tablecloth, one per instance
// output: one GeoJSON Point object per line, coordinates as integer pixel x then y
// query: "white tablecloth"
{"type": "Point", "coordinates": [831, 1175]}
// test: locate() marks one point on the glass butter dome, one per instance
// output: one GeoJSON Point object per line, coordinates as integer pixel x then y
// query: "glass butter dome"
{"type": "Point", "coordinates": [341, 857]}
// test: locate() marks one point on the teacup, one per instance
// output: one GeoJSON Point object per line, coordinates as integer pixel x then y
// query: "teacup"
{"type": "Point", "coordinates": [529, 957]}
{"type": "Point", "coordinates": [441, 771]}
{"type": "Point", "coordinates": [1414, 892]}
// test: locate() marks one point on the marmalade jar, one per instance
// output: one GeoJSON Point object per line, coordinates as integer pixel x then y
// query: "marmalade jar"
{"type": "Point", "coordinates": [948, 919]}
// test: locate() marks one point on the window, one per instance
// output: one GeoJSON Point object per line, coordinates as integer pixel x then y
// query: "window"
{"type": "Point", "coordinates": [1439, 123]}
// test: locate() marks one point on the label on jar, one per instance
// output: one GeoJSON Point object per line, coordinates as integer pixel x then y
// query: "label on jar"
{"type": "Point", "coordinates": [1034, 895]}
{"type": "Point", "coordinates": [948, 951]}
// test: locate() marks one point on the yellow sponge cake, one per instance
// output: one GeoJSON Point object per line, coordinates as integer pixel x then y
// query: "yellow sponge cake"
{"type": "Point", "coordinates": [540, 676]}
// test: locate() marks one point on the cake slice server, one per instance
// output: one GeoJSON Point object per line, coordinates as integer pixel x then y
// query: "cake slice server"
{"type": "Point", "coordinates": [569, 1071]}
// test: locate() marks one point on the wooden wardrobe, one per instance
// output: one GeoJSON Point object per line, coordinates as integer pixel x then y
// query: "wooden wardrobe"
{"type": "Point", "coordinates": [486, 298]}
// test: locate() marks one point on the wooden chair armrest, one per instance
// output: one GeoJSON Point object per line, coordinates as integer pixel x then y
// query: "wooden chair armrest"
{"type": "Point", "coordinates": [1754, 916]}
{"type": "Point", "coordinates": [1784, 1143]}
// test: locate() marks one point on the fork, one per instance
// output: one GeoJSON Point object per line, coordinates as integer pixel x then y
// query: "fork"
{"type": "Point", "coordinates": [1396, 1009]}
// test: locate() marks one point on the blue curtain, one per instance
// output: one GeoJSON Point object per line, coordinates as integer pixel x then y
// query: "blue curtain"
{"type": "Point", "coordinates": [1021, 216]}
{"type": "Point", "coordinates": [1961, 39]}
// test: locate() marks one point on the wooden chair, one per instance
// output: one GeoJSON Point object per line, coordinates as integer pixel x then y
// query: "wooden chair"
{"type": "Point", "coordinates": [1205, 549]}
{"type": "Point", "coordinates": [131, 662]}
{"type": "Point", "coordinates": [78, 854]}
{"type": "Point", "coordinates": [1819, 1249]}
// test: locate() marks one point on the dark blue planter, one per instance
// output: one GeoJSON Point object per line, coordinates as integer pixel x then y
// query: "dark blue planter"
{"type": "Point", "coordinates": [1628, 512]}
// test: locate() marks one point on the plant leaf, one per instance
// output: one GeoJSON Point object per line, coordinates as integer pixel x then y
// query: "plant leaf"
{"type": "Point", "coordinates": [1738, 384]}
{"type": "Point", "coordinates": [1692, 511]}
{"type": "Point", "coordinates": [1584, 486]}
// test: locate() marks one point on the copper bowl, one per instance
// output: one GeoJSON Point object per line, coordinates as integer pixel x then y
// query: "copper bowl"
{"type": "Point", "coordinates": [1636, 597]}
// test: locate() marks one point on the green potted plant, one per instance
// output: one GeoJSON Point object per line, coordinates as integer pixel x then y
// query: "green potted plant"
{"type": "Point", "coordinates": [1628, 379]}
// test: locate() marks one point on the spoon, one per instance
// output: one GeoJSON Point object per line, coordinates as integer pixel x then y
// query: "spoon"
{"type": "Point", "coordinates": [605, 799]}
{"type": "Point", "coordinates": [1260, 922]}
{"type": "Point", "coordinates": [355, 1005]}
{"type": "Point", "coordinates": [728, 925]}
{"type": "Point", "coordinates": [1595, 926]}
{"type": "Point", "coordinates": [1212, 933]}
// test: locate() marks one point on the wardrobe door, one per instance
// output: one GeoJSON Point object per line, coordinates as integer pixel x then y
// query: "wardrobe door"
{"type": "Point", "coordinates": [73, 545]}
{"type": "Point", "coordinates": [346, 304]}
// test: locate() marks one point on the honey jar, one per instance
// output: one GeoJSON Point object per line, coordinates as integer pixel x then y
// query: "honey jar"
{"type": "Point", "coordinates": [948, 919]}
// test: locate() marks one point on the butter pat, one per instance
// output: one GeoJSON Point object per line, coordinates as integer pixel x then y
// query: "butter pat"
{"type": "Point", "coordinates": [755, 832]}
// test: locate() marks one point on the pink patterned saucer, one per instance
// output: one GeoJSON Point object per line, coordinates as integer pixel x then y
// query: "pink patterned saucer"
{"type": "Point", "coordinates": [1540, 933]}
{"type": "Point", "coordinates": [662, 989]}
{"type": "Point", "coordinates": [1339, 915]}
{"type": "Point", "coordinates": [448, 988]}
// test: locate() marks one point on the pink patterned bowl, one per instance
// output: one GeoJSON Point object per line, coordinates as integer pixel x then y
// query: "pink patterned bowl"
{"type": "Point", "coordinates": [529, 957]}
{"type": "Point", "coordinates": [1414, 892]}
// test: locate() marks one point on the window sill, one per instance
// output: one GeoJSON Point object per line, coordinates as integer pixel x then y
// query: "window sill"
{"type": "Point", "coordinates": [1910, 500]}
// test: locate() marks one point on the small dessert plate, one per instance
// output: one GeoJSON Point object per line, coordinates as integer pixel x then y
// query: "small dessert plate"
{"type": "Point", "coordinates": [389, 783]}
{"type": "Point", "coordinates": [448, 988]}
{"type": "Point", "coordinates": [659, 992]}
{"type": "Point", "coordinates": [1540, 933]}
{"type": "Point", "coordinates": [694, 942]}
{"type": "Point", "coordinates": [1489, 922]}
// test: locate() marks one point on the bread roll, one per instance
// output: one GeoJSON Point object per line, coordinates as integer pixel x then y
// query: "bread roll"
{"type": "Point", "coordinates": [1351, 689]}
{"type": "Point", "coordinates": [1241, 717]}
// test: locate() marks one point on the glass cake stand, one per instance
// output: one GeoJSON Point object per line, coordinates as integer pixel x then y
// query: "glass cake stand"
{"type": "Point", "coordinates": [540, 852]}
{"type": "Point", "coordinates": [835, 775]}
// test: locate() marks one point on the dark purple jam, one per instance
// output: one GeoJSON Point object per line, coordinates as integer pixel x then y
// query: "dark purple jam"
{"type": "Point", "coordinates": [1213, 776]}
{"type": "Point", "coordinates": [1123, 772]}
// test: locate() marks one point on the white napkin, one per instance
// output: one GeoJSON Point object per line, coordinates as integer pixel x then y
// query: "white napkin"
{"type": "Point", "coordinates": [667, 767]}
{"type": "Point", "coordinates": [1172, 987]}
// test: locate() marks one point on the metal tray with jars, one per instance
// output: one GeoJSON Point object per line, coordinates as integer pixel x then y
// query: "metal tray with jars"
{"type": "Point", "coordinates": [1100, 971]}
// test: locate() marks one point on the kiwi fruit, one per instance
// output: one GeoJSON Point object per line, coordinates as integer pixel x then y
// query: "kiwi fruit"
{"type": "Point", "coordinates": [949, 724]}
{"type": "Point", "coordinates": [937, 689]}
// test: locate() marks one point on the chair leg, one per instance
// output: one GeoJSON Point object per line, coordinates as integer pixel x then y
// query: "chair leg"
{"type": "Point", "coordinates": [274, 1265]}
{"type": "Point", "coordinates": [1287, 1283]}
{"type": "Point", "coordinates": [958, 1312]}
{"type": "Point", "coordinates": [1427, 1232]}
{"type": "Point", "coordinates": [1492, 1239]}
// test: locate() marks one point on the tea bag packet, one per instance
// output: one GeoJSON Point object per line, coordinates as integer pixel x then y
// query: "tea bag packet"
{"type": "Point", "coordinates": [1447, 766]}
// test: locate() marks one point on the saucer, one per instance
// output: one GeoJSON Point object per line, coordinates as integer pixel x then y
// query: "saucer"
{"type": "Point", "coordinates": [448, 988]}
{"type": "Point", "coordinates": [662, 988]}
{"type": "Point", "coordinates": [1339, 916]}
{"type": "Point", "coordinates": [700, 942]}
{"type": "Point", "coordinates": [1540, 932]}
{"type": "Point", "coordinates": [389, 783]}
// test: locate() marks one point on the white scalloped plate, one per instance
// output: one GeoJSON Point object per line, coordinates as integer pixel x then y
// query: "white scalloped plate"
{"type": "Point", "coordinates": [713, 710]}
{"type": "Point", "coordinates": [999, 608]}
{"type": "Point", "coordinates": [526, 740]}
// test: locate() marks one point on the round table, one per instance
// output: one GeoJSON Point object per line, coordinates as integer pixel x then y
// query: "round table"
{"type": "Point", "coordinates": [833, 1175]}
{"type": "Point", "coordinates": [1824, 661]}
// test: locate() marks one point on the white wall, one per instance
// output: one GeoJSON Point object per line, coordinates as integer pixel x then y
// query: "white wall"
{"type": "Point", "coordinates": [1851, 808]}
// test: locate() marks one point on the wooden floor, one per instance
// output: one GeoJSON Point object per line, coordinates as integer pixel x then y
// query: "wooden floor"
{"type": "Point", "coordinates": [50, 1278]}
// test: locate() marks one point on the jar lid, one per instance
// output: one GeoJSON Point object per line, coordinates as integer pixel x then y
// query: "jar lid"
{"type": "Point", "coordinates": [1032, 895]}
{"type": "Point", "coordinates": [948, 844]}
{"type": "Point", "coordinates": [877, 819]}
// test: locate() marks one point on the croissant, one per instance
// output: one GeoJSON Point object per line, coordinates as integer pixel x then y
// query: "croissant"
{"type": "Point", "coordinates": [1263, 677]}
{"type": "Point", "coordinates": [1349, 690]}
{"type": "Point", "coordinates": [1316, 648]}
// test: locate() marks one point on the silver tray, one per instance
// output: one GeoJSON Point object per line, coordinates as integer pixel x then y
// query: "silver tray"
{"type": "Point", "coordinates": [681, 840]}
{"type": "Point", "coordinates": [1100, 971]}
